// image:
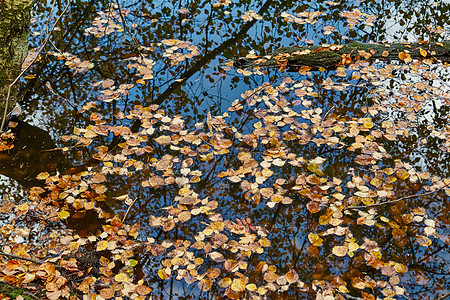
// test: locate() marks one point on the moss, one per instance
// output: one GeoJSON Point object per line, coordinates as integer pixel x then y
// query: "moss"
{"type": "Point", "coordinates": [12, 292]}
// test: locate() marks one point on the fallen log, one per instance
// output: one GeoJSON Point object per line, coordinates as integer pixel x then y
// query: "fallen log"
{"type": "Point", "coordinates": [327, 56]}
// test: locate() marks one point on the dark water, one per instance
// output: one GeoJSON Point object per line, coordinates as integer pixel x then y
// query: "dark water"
{"type": "Point", "coordinates": [53, 99]}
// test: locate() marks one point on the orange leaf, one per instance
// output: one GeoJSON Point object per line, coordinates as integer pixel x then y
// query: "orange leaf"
{"type": "Point", "coordinates": [404, 56]}
{"type": "Point", "coordinates": [423, 52]}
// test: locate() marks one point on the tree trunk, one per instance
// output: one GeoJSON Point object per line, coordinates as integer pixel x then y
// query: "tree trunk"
{"type": "Point", "coordinates": [14, 29]}
{"type": "Point", "coordinates": [316, 57]}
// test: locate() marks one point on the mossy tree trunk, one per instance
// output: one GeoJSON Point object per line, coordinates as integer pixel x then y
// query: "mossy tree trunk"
{"type": "Point", "coordinates": [292, 58]}
{"type": "Point", "coordinates": [14, 29]}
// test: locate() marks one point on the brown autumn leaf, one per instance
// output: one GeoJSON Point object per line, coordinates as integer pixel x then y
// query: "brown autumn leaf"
{"type": "Point", "coordinates": [238, 285]}
{"type": "Point", "coordinates": [270, 276]}
{"type": "Point", "coordinates": [291, 276]}
{"type": "Point", "coordinates": [163, 140]}
{"type": "Point", "coordinates": [107, 293]}
{"type": "Point", "coordinates": [184, 216]}
{"type": "Point", "coordinates": [364, 159]}
{"type": "Point", "coordinates": [168, 225]}
{"type": "Point", "coordinates": [143, 290]}
{"type": "Point", "coordinates": [205, 284]}
{"type": "Point", "coordinates": [340, 250]}
{"type": "Point", "coordinates": [189, 200]}
{"type": "Point", "coordinates": [313, 207]}
{"type": "Point", "coordinates": [216, 256]}
{"type": "Point", "coordinates": [402, 174]}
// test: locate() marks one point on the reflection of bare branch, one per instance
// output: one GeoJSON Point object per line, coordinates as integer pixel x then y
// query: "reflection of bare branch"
{"type": "Point", "coordinates": [394, 201]}
{"type": "Point", "coordinates": [32, 62]}
{"type": "Point", "coordinates": [198, 66]}
{"type": "Point", "coordinates": [208, 57]}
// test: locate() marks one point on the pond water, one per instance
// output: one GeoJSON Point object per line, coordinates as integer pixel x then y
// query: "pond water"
{"type": "Point", "coordinates": [102, 65]}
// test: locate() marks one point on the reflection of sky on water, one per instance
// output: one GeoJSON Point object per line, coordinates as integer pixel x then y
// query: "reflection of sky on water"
{"type": "Point", "coordinates": [202, 95]}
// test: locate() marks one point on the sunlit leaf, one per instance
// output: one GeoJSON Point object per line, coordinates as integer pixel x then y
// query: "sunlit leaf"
{"type": "Point", "coordinates": [340, 250]}
{"type": "Point", "coordinates": [315, 239]}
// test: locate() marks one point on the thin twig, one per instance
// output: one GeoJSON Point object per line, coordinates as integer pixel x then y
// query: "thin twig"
{"type": "Point", "coordinates": [22, 258]}
{"type": "Point", "coordinates": [394, 201]}
{"type": "Point", "coordinates": [333, 107]}
{"type": "Point", "coordinates": [39, 262]}
{"type": "Point", "coordinates": [29, 65]}
{"type": "Point", "coordinates": [129, 207]}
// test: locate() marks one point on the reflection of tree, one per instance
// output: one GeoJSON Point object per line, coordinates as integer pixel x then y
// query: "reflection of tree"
{"type": "Point", "coordinates": [14, 28]}
{"type": "Point", "coordinates": [33, 152]}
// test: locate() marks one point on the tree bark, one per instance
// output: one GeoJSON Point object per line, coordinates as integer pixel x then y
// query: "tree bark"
{"type": "Point", "coordinates": [14, 28]}
{"type": "Point", "coordinates": [294, 58]}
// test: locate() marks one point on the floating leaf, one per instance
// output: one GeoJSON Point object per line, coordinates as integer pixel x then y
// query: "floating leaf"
{"type": "Point", "coordinates": [64, 214]}
{"type": "Point", "coordinates": [102, 245]}
{"type": "Point", "coordinates": [423, 52]}
{"type": "Point", "coordinates": [340, 250]}
{"type": "Point", "coordinates": [42, 175]}
{"type": "Point", "coordinates": [238, 285]}
{"type": "Point", "coordinates": [423, 241]}
{"type": "Point", "coordinates": [205, 284]}
{"type": "Point", "coordinates": [122, 277]}
{"type": "Point", "coordinates": [402, 174]}
{"type": "Point", "coordinates": [406, 57]}
{"type": "Point", "coordinates": [315, 239]}
{"type": "Point", "coordinates": [291, 276]}
{"type": "Point", "coordinates": [217, 257]}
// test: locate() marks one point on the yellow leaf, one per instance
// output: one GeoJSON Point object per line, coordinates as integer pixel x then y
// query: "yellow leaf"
{"type": "Point", "coordinates": [205, 284]}
{"type": "Point", "coordinates": [262, 290]}
{"type": "Point", "coordinates": [31, 76]}
{"type": "Point", "coordinates": [402, 174]}
{"type": "Point", "coordinates": [251, 287]}
{"type": "Point", "coordinates": [423, 52]}
{"type": "Point", "coordinates": [264, 242]}
{"type": "Point", "coordinates": [400, 268]}
{"type": "Point", "coordinates": [121, 277]}
{"type": "Point", "coordinates": [225, 282]}
{"type": "Point", "coordinates": [238, 285]}
{"type": "Point", "coordinates": [162, 274]}
{"type": "Point", "coordinates": [315, 239]}
{"type": "Point", "coordinates": [343, 289]}
{"type": "Point", "coordinates": [353, 247]}
{"type": "Point", "coordinates": [291, 276]}
{"type": "Point", "coordinates": [102, 245]}
{"type": "Point", "coordinates": [64, 214]}
{"type": "Point", "coordinates": [42, 176]}
{"type": "Point", "coordinates": [367, 123]}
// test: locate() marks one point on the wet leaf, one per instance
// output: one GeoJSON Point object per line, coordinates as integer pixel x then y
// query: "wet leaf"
{"type": "Point", "coordinates": [340, 250]}
{"type": "Point", "coordinates": [238, 285]}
